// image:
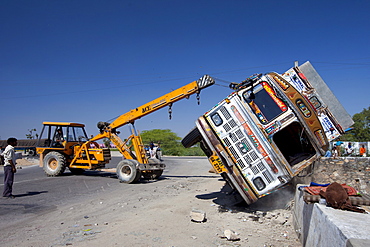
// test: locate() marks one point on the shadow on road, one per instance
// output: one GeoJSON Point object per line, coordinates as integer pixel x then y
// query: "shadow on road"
{"type": "Point", "coordinates": [92, 174]}
{"type": "Point", "coordinates": [229, 200]}
{"type": "Point", "coordinates": [31, 193]}
{"type": "Point", "coordinates": [171, 176]}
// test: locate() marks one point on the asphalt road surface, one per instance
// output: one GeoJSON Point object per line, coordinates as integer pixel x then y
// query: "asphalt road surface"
{"type": "Point", "coordinates": [95, 209]}
{"type": "Point", "coordinates": [37, 194]}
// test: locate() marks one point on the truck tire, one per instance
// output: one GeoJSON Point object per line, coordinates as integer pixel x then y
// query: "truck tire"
{"type": "Point", "coordinates": [54, 164]}
{"type": "Point", "coordinates": [32, 152]}
{"type": "Point", "coordinates": [191, 138]}
{"type": "Point", "coordinates": [206, 150]}
{"type": "Point", "coordinates": [127, 172]}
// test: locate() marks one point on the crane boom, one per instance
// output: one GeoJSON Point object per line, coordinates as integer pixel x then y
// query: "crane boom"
{"type": "Point", "coordinates": [129, 117]}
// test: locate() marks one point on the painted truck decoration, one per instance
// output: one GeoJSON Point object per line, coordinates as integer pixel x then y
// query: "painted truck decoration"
{"type": "Point", "coordinates": [271, 128]}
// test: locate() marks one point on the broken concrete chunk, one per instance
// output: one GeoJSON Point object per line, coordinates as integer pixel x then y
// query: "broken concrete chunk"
{"type": "Point", "coordinates": [231, 235]}
{"type": "Point", "coordinates": [198, 215]}
{"type": "Point", "coordinates": [254, 217]}
{"type": "Point", "coordinates": [280, 220]}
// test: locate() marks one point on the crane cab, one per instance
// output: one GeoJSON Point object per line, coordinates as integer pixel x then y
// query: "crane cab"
{"type": "Point", "coordinates": [66, 145]}
{"type": "Point", "coordinates": [57, 135]}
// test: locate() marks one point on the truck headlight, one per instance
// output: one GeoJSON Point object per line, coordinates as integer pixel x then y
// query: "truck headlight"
{"type": "Point", "coordinates": [258, 183]}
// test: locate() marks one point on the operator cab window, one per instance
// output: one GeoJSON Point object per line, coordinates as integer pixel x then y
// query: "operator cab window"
{"type": "Point", "coordinates": [77, 134]}
{"type": "Point", "coordinates": [57, 136]}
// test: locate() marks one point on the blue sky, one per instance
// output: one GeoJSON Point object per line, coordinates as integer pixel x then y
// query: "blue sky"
{"type": "Point", "coordinates": [90, 61]}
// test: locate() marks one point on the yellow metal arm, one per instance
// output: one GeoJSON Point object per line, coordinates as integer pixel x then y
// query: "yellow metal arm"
{"type": "Point", "coordinates": [167, 99]}
{"type": "Point", "coordinates": [108, 130]}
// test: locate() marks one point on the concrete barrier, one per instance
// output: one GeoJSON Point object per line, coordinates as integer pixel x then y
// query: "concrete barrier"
{"type": "Point", "coordinates": [320, 226]}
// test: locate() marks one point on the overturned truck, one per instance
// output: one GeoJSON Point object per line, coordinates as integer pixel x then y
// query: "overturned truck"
{"type": "Point", "coordinates": [269, 129]}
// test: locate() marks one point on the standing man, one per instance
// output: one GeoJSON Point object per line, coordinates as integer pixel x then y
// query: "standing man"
{"type": "Point", "coordinates": [9, 167]}
{"type": "Point", "coordinates": [338, 145]}
{"type": "Point", "coordinates": [349, 149]}
{"type": "Point", "coordinates": [362, 151]}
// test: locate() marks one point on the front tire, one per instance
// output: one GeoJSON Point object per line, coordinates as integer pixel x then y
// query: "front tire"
{"type": "Point", "coordinates": [127, 172]}
{"type": "Point", "coordinates": [54, 164]}
{"type": "Point", "coordinates": [191, 138]}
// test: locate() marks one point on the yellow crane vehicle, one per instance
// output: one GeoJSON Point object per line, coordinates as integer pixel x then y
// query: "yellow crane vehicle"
{"type": "Point", "coordinates": [66, 145]}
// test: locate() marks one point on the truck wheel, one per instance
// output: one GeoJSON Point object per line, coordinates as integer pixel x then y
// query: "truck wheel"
{"type": "Point", "coordinates": [206, 150]}
{"type": "Point", "coordinates": [76, 171]}
{"type": "Point", "coordinates": [191, 138]}
{"type": "Point", "coordinates": [31, 152]}
{"type": "Point", "coordinates": [54, 164]}
{"type": "Point", "coordinates": [127, 172]}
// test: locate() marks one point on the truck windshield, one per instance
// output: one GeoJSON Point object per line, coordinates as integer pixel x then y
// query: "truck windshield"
{"type": "Point", "coordinates": [265, 103]}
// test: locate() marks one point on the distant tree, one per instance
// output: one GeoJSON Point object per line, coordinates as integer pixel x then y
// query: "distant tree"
{"type": "Point", "coordinates": [361, 127]}
{"type": "Point", "coordinates": [30, 135]}
{"type": "Point", "coordinates": [106, 142]}
{"type": "Point", "coordinates": [169, 142]}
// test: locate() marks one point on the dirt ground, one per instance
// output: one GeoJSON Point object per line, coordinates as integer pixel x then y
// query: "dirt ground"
{"type": "Point", "coordinates": [159, 214]}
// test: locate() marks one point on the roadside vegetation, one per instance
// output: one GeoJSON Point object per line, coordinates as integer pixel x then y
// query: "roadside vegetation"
{"type": "Point", "coordinates": [361, 127]}
{"type": "Point", "coordinates": [170, 143]}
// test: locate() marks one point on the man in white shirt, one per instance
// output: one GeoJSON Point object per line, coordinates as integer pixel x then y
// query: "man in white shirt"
{"type": "Point", "coordinates": [9, 167]}
{"type": "Point", "coordinates": [349, 149]}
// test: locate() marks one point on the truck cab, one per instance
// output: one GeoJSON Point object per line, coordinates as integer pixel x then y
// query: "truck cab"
{"type": "Point", "coordinates": [266, 132]}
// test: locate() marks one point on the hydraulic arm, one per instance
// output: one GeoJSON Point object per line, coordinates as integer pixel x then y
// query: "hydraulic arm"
{"type": "Point", "coordinates": [109, 130]}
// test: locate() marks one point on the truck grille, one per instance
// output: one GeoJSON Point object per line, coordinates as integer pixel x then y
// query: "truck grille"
{"type": "Point", "coordinates": [234, 153]}
{"type": "Point", "coordinates": [225, 113]}
{"type": "Point", "coordinates": [226, 127]}
{"type": "Point", "coordinates": [247, 159]}
{"type": "Point", "coordinates": [255, 170]}
{"type": "Point", "coordinates": [268, 176]}
{"type": "Point", "coordinates": [241, 147]}
{"type": "Point", "coordinates": [232, 123]}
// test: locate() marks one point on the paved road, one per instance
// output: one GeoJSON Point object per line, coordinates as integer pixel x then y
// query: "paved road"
{"type": "Point", "coordinates": [37, 194]}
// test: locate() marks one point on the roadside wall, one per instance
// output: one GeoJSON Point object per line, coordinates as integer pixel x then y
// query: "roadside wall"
{"type": "Point", "coordinates": [353, 171]}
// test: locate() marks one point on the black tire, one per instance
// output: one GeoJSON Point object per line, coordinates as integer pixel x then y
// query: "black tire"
{"type": "Point", "coordinates": [32, 152]}
{"type": "Point", "coordinates": [76, 171]}
{"type": "Point", "coordinates": [191, 138]}
{"type": "Point", "coordinates": [127, 172]}
{"type": "Point", "coordinates": [54, 164]}
{"type": "Point", "coordinates": [207, 151]}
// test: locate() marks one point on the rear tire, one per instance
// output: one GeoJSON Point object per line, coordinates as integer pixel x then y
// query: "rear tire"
{"type": "Point", "coordinates": [54, 164]}
{"type": "Point", "coordinates": [127, 172]}
{"type": "Point", "coordinates": [191, 138]}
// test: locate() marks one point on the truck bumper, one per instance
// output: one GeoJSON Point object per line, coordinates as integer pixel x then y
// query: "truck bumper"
{"type": "Point", "coordinates": [234, 175]}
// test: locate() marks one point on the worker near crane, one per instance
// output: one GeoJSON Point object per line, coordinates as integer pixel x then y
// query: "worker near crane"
{"type": "Point", "coordinates": [9, 167]}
